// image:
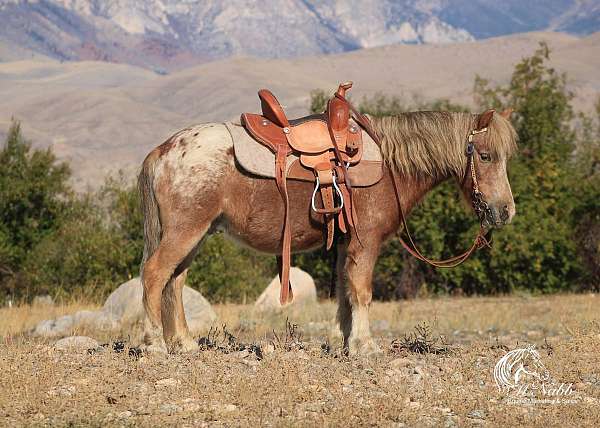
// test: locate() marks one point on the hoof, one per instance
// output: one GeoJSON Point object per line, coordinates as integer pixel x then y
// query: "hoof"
{"type": "Point", "coordinates": [364, 348]}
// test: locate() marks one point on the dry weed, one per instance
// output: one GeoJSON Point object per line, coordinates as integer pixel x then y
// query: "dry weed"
{"type": "Point", "coordinates": [297, 382]}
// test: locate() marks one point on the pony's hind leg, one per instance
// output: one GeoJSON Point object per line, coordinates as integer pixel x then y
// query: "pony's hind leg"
{"type": "Point", "coordinates": [357, 264]}
{"type": "Point", "coordinates": [175, 329]}
{"type": "Point", "coordinates": [175, 246]}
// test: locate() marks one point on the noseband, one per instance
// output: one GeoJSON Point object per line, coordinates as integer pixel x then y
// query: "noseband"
{"type": "Point", "coordinates": [480, 206]}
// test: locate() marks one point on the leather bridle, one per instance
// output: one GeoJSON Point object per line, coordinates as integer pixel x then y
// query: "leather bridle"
{"type": "Point", "coordinates": [480, 206]}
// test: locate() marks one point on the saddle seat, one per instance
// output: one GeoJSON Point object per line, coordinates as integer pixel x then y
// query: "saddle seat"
{"type": "Point", "coordinates": [326, 144]}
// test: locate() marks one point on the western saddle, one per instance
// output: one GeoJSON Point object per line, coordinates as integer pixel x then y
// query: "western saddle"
{"type": "Point", "coordinates": [327, 145]}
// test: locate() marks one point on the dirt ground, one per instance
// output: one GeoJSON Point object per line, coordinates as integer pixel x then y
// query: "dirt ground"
{"type": "Point", "coordinates": [260, 371]}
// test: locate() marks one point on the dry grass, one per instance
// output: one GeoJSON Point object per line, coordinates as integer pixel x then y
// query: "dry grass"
{"type": "Point", "coordinates": [305, 381]}
{"type": "Point", "coordinates": [19, 319]}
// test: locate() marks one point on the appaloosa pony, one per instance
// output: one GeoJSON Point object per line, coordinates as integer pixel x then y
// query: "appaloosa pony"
{"type": "Point", "coordinates": [191, 185]}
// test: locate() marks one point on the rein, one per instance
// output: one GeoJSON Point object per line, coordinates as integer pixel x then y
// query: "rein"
{"type": "Point", "coordinates": [480, 206]}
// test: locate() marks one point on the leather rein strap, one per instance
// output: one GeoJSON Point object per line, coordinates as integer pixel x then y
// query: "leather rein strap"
{"type": "Point", "coordinates": [479, 204]}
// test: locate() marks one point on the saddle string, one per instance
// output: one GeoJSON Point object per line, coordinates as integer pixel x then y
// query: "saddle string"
{"type": "Point", "coordinates": [351, 212]}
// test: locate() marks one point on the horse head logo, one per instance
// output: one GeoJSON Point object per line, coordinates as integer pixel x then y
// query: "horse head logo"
{"type": "Point", "coordinates": [518, 367]}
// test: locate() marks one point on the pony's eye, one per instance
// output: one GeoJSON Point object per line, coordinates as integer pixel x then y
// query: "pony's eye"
{"type": "Point", "coordinates": [486, 157]}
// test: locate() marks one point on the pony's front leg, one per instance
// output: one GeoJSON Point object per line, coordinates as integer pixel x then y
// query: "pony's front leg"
{"type": "Point", "coordinates": [355, 273]}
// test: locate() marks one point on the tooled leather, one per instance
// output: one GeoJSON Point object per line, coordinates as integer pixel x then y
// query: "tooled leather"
{"type": "Point", "coordinates": [269, 135]}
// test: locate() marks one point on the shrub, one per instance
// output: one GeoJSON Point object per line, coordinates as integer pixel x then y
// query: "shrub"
{"type": "Point", "coordinates": [34, 194]}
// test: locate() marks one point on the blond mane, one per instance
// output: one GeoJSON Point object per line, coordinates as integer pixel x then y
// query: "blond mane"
{"type": "Point", "coordinates": [433, 143]}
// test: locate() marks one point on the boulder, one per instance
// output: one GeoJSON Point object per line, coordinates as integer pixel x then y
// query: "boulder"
{"type": "Point", "coordinates": [67, 324]}
{"type": "Point", "coordinates": [125, 304]}
{"type": "Point", "coordinates": [76, 344]}
{"type": "Point", "coordinates": [124, 307]}
{"type": "Point", "coordinates": [303, 287]}
{"type": "Point", "coordinates": [100, 320]}
{"type": "Point", "coordinates": [52, 328]}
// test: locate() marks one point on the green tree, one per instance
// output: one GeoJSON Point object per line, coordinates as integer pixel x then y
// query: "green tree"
{"type": "Point", "coordinates": [97, 246]}
{"type": "Point", "coordinates": [34, 193]}
{"type": "Point", "coordinates": [537, 251]}
{"type": "Point", "coordinates": [586, 214]}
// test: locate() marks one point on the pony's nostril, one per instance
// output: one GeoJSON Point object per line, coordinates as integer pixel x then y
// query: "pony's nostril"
{"type": "Point", "coordinates": [505, 213]}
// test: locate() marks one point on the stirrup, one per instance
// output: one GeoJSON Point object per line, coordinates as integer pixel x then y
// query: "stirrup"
{"type": "Point", "coordinates": [338, 191]}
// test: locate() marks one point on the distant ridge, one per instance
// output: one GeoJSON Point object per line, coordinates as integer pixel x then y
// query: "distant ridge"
{"type": "Point", "coordinates": [104, 116]}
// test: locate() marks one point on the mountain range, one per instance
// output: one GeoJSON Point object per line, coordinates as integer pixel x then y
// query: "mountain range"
{"type": "Point", "coordinates": [164, 35]}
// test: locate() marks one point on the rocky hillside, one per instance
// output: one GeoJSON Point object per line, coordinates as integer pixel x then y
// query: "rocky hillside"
{"type": "Point", "coordinates": [171, 34]}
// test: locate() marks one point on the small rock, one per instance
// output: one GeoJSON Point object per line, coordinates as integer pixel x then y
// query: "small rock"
{"type": "Point", "coordinates": [477, 414]}
{"type": "Point", "coordinates": [124, 415]}
{"type": "Point", "coordinates": [191, 405]}
{"type": "Point", "coordinates": [399, 363]}
{"type": "Point", "coordinates": [345, 381]}
{"type": "Point", "coordinates": [250, 362]}
{"type": "Point", "coordinates": [419, 370]}
{"type": "Point", "coordinates": [268, 349]}
{"type": "Point", "coordinates": [76, 343]}
{"type": "Point", "coordinates": [414, 405]}
{"type": "Point", "coordinates": [170, 409]}
{"type": "Point", "coordinates": [415, 378]}
{"type": "Point", "coordinates": [63, 391]}
{"type": "Point", "coordinates": [457, 377]}
{"type": "Point", "coordinates": [167, 383]}
{"type": "Point", "coordinates": [225, 408]}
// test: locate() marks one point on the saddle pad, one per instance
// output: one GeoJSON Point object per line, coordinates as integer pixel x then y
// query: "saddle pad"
{"type": "Point", "coordinates": [257, 159]}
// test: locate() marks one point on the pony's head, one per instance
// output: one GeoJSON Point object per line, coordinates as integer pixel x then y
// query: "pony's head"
{"type": "Point", "coordinates": [490, 143]}
{"type": "Point", "coordinates": [433, 145]}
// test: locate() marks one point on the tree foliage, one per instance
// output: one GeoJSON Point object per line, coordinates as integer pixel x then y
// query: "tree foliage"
{"type": "Point", "coordinates": [33, 193]}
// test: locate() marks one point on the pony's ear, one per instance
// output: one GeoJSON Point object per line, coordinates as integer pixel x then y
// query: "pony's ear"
{"type": "Point", "coordinates": [485, 118]}
{"type": "Point", "coordinates": [506, 113]}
